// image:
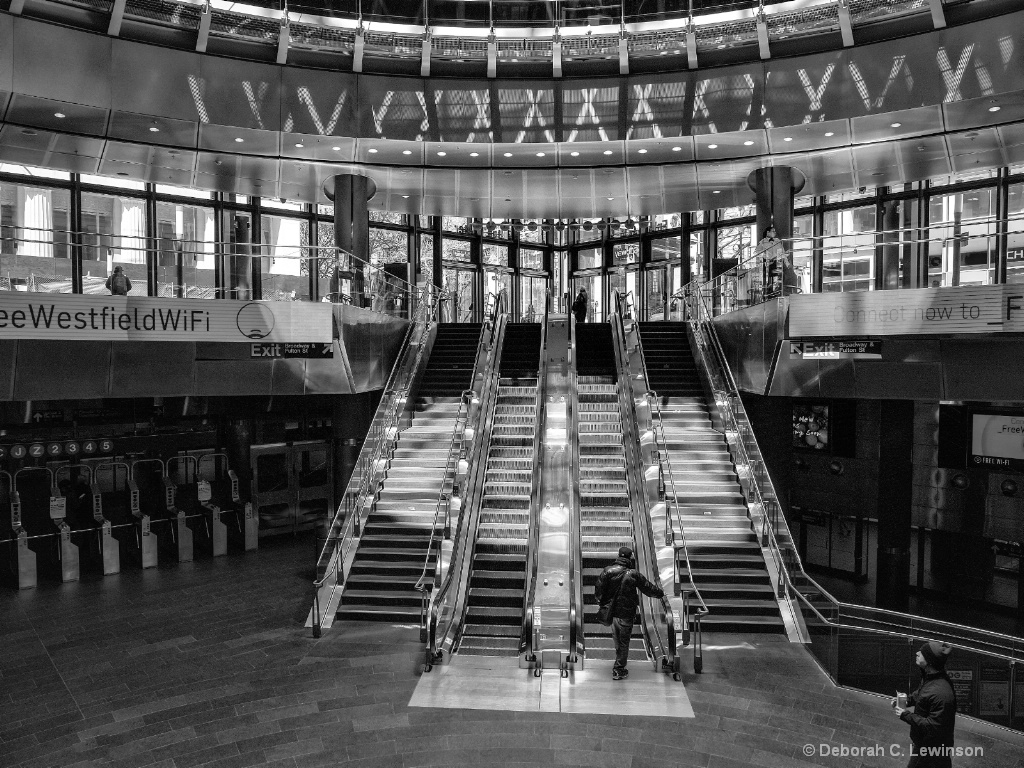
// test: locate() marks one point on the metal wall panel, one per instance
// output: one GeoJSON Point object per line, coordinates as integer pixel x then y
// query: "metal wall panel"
{"type": "Point", "coordinates": [152, 369]}
{"type": "Point", "coordinates": [240, 93]}
{"type": "Point", "coordinates": [289, 377]}
{"type": "Point", "coordinates": [227, 378]}
{"type": "Point", "coordinates": [156, 81]}
{"type": "Point", "coordinates": [62, 370]}
{"type": "Point", "coordinates": [881, 380]}
{"type": "Point", "coordinates": [983, 369]}
{"type": "Point", "coordinates": [54, 62]}
{"type": "Point", "coordinates": [6, 52]}
{"type": "Point", "coordinates": [330, 376]}
{"type": "Point", "coordinates": [8, 356]}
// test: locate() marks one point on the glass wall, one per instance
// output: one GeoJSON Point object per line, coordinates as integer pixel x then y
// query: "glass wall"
{"type": "Point", "coordinates": [848, 253]}
{"type": "Point", "coordinates": [114, 234]}
{"type": "Point", "coordinates": [185, 252]}
{"type": "Point", "coordinates": [34, 239]}
{"type": "Point", "coordinates": [1015, 234]}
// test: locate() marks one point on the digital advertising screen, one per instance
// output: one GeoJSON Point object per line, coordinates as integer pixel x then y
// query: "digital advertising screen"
{"type": "Point", "coordinates": [811, 426]}
{"type": "Point", "coordinates": [997, 441]}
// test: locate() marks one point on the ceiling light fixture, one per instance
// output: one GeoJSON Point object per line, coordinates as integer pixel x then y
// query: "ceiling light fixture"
{"type": "Point", "coordinates": [716, 192]}
{"type": "Point", "coordinates": [748, 143]}
{"type": "Point", "coordinates": [61, 115]}
{"type": "Point", "coordinates": [154, 129]}
{"type": "Point", "coordinates": [540, 154]}
{"type": "Point", "coordinates": [239, 139]}
{"type": "Point", "coordinates": [299, 146]}
{"type": "Point", "coordinates": [338, 149]}
{"type": "Point", "coordinates": [788, 138]}
{"type": "Point", "coordinates": [474, 154]}
{"type": "Point", "coordinates": [373, 151]}
{"type": "Point", "coordinates": [611, 198]}
{"type": "Point", "coordinates": [575, 154]}
{"type": "Point", "coordinates": [896, 125]}
{"type": "Point", "coordinates": [642, 151]}
{"type": "Point", "coordinates": [829, 134]}
{"type": "Point", "coordinates": [712, 146]}
{"type": "Point", "coordinates": [607, 152]}
{"type": "Point", "coordinates": [406, 151]}
{"type": "Point", "coordinates": [677, 149]}
{"type": "Point", "coordinates": [442, 154]}
{"type": "Point", "coordinates": [405, 197]}
{"type": "Point", "coordinates": [994, 109]}
{"type": "Point", "coordinates": [508, 154]}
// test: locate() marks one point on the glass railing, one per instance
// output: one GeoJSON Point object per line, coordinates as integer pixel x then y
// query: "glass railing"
{"type": "Point", "coordinates": [858, 646]}
{"type": "Point", "coordinates": [445, 611]}
{"type": "Point", "coordinates": [577, 606]}
{"type": "Point", "coordinates": [342, 538]}
{"type": "Point", "coordinates": [528, 30]}
{"type": "Point", "coordinates": [659, 621]}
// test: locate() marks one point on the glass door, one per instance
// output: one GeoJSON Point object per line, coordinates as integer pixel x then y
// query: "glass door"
{"type": "Point", "coordinates": [655, 294]}
{"type": "Point", "coordinates": [460, 302]}
{"type": "Point", "coordinates": [292, 485]}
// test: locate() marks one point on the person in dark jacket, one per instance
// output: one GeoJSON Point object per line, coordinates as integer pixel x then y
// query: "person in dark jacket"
{"type": "Point", "coordinates": [579, 306]}
{"type": "Point", "coordinates": [618, 584]}
{"type": "Point", "coordinates": [118, 283]}
{"type": "Point", "coordinates": [934, 703]}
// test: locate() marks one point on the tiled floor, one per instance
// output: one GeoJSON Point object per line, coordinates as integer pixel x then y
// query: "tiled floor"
{"type": "Point", "coordinates": [207, 664]}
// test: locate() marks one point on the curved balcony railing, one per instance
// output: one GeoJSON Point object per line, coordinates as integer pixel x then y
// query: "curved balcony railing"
{"type": "Point", "coordinates": [511, 32]}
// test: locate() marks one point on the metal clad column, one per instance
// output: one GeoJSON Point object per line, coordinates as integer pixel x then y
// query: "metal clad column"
{"type": "Point", "coordinates": [774, 192]}
{"type": "Point", "coordinates": [352, 226]}
{"type": "Point", "coordinates": [895, 481]}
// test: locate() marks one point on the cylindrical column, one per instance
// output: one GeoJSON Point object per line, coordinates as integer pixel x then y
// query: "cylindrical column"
{"type": "Point", "coordinates": [350, 194]}
{"type": "Point", "coordinates": [895, 484]}
{"type": "Point", "coordinates": [240, 286]}
{"type": "Point", "coordinates": [774, 190]}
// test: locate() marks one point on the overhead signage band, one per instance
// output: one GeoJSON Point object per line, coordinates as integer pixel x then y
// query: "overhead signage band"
{"type": "Point", "coordinates": [144, 318]}
{"type": "Point", "coordinates": [970, 309]}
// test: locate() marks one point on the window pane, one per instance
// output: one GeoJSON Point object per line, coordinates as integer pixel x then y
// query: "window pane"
{"type": "Point", "coordinates": [532, 292]}
{"type": "Point", "coordinates": [387, 217]}
{"type": "Point", "coordinates": [531, 258]}
{"type": "Point", "coordinates": [186, 255]}
{"type": "Point", "coordinates": [495, 254]}
{"type": "Point", "coordinates": [802, 251]}
{"type": "Point", "coordinates": [594, 286]}
{"type": "Point", "coordinates": [534, 236]}
{"type": "Point", "coordinates": [34, 239]}
{"type": "Point", "coordinates": [961, 248]}
{"type": "Point", "coordinates": [286, 253]}
{"type": "Point", "coordinates": [28, 170]}
{"type": "Point", "coordinates": [666, 221]}
{"type": "Point", "coordinates": [590, 258]}
{"type": "Point", "coordinates": [388, 246]}
{"type": "Point", "coordinates": [666, 248]}
{"type": "Point", "coordinates": [456, 250]}
{"type": "Point", "coordinates": [198, 194]}
{"type": "Point", "coordinates": [587, 235]}
{"type": "Point", "coordinates": [656, 289]}
{"type": "Point", "coordinates": [237, 227]}
{"type": "Point", "coordinates": [459, 295]}
{"type": "Point", "coordinates": [113, 183]}
{"type": "Point", "coordinates": [114, 235]}
{"type": "Point", "coordinates": [282, 205]}
{"type": "Point", "coordinates": [848, 250]}
{"type": "Point", "coordinates": [697, 254]}
{"type": "Point", "coordinates": [455, 224]}
{"type": "Point", "coordinates": [1015, 239]}
{"type": "Point", "coordinates": [497, 281]}
{"type": "Point", "coordinates": [426, 259]}
{"type": "Point", "coordinates": [739, 212]}
{"type": "Point", "coordinates": [626, 253]}
{"type": "Point", "coordinates": [734, 243]}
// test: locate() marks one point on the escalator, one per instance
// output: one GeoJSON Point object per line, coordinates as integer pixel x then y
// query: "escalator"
{"type": "Point", "coordinates": [396, 535]}
{"type": "Point", "coordinates": [497, 582]}
{"type": "Point", "coordinates": [725, 559]}
{"type": "Point", "coordinates": [605, 517]}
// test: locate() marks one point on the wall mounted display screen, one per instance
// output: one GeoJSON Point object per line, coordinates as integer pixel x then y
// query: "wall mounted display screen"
{"type": "Point", "coordinates": [812, 427]}
{"type": "Point", "coordinates": [997, 440]}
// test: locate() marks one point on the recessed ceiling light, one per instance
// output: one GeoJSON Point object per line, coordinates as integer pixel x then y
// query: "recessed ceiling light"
{"type": "Point", "coordinates": [716, 192]}
{"type": "Point", "coordinates": [540, 154]}
{"type": "Point", "coordinates": [442, 154]}
{"type": "Point", "coordinates": [994, 109]}
{"type": "Point", "coordinates": [338, 149]}
{"type": "Point", "coordinates": [373, 151]}
{"type": "Point", "coordinates": [154, 129]}
{"type": "Point", "coordinates": [677, 149]}
{"type": "Point", "coordinates": [508, 154]}
{"type": "Point", "coordinates": [405, 197]}
{"type": "Point", "coordinates": [406, 151]}
{"type": "Point", "coordinates": [642, 151]}
{"type": "Point", "coordinates": [607, 152]}
{"type": "Point", "coordinates": [575, 154]}
{"type": "Point", "coordinates": [121, 173]}
{"type": "Point", "coordinates": [299, 146]}
{"type": "Point", "coordinates": [748, 143]}
{"type": "Point", "coordinates": [788, 138]}
{"type": "Point", "coordinates": [712, 146]}
{"type": "Point", "coordinates": [239, 139]}
{"type": "Point", "coordinates": [474, 154]}
{"type": "Point", "coordinates": [896, 125]}
{"type": "Point", "coordinates": [61, 115]}
{"type": "Point", "coordinates": [830, 133]}
{"type": "Point", "coordinates": [611, 198]}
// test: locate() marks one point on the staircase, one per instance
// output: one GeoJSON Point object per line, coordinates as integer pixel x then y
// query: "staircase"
{"type": "Point", "coordinates": [728, 567]}
{"type": "Point", "coordinates": [497, 585]}
{"type": "Point", "coordinates": [396, 537]}
{"type": "Point", "coordinates": [605, 522]}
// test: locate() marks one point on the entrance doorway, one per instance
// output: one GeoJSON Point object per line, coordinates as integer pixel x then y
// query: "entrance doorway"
{"type": "Point", "coordinates": [292, 488]}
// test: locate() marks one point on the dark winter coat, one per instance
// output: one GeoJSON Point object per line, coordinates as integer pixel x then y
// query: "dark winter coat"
{"type": "Point", "coordinates": [622, 571]}
{"type": "Point", "coordinates": [934, 702]}
{"type": "Point", "coordinates": [118, 284]}
{"type": "Point", "coordinates": [579, 308]}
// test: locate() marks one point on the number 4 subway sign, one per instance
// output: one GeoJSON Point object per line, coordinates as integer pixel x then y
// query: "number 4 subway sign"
{"type": "Point", "coordinates": [130, 318]}
{"type": "Point", "coordinates": [971, 309]}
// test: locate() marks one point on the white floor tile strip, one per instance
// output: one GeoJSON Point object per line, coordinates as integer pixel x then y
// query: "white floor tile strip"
{"type": "Point", "coordinates": [485, 682]}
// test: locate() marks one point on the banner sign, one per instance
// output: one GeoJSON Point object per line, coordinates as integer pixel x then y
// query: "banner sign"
{"type": "Point", "coordinates": [857, 349]}
{"type": "Point", "coordinates": [147, 318]}
{"type": "Point", "coordinates": [971, 309]}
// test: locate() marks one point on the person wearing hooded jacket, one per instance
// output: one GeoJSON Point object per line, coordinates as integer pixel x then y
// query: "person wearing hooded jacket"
{"type": "Point", "coordinates": [618, 584]}
{"type": "Point", "coordinates": [934, 702]}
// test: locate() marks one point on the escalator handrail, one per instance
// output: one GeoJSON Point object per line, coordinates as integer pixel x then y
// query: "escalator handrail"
{"type": "Point", "coordinates": [577, 617]}
{"type": "Point", "coordinates": [380, 436]}
{"type": "Point", "coordinates": [732, 410]}
{"type": "Point", "coordinates": [533, 541]}
{"type": "Point", "coordinates": [457, 575]}
{"type": "Point", "coordinates": [643, 534]}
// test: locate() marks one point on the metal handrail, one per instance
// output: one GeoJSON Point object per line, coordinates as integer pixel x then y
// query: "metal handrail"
{"type": "Point", "coordinates": [640, 513]}
{"type": "Point", "coordinates": [526, 638]}
{"type": "Point", "coordinates": [577, 607]}
{"type": "Point", "coordinates": [380, 438]}
{"type": "Point", "coordinates": [463, 540]}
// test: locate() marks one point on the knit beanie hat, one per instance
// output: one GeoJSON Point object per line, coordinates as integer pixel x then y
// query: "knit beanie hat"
{"type": "Point", "coordinates": [626, 552]}
{"type": "Point", "coordinates": [936, 654]}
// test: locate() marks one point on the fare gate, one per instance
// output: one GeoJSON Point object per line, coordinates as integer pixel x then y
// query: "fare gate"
{"type": "Point", "coordinates": [292, 485]}
{"type": "Point", "coordinates": [89, 526]}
